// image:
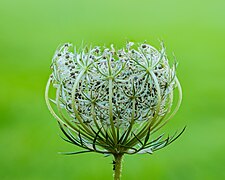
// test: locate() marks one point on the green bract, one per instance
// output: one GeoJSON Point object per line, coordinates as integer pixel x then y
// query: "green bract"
{"type": "Point", "coordinates": [111, 101]}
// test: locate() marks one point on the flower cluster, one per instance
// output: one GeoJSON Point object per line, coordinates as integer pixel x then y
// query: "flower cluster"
{"type": "Point", "coordinates": [110, 101]}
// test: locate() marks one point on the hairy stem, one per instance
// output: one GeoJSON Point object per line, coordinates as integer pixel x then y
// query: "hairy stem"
{"type": "Point", "coordinates": [117, 163]}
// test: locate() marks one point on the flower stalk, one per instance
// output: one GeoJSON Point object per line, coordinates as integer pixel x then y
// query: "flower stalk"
{"type": "Point", "coordinates": [117, 163]}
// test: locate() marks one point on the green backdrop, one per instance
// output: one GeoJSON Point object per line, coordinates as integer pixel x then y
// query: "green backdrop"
{"type": "Point", "coordinates": [31, 30]}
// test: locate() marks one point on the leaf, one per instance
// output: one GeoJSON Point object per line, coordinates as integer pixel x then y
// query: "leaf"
{"type": "Point", "coordinates": [173, 139]}
{"type": "Point", "coordinates": [147, 136]}
{"type": "Point", "coordinates": [138, 139]}
{"type": "Point", "coordinates": [146, 150]}
{"type": "Point", "coordinates": [72, 153]}
{"type": "Point", "coordinates": [95, 139]}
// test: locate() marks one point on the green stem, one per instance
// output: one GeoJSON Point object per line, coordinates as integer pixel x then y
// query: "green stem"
{"type": "Point", "coordinates": [117, 166]}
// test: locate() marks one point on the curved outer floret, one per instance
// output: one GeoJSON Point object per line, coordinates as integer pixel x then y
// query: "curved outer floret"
{"type": "Point", "coordinates": [111, 101]}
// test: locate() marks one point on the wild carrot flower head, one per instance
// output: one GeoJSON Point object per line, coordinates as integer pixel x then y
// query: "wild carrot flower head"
{"type": "Point", "coordinates": [111, 101]}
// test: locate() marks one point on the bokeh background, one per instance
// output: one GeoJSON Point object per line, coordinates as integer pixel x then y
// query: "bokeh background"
{"type": "Point", "coordinates": [31, 30]}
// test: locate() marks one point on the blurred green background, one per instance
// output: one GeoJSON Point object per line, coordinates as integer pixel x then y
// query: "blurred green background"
{"type": "Point", "coordinates": [31, 30]}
